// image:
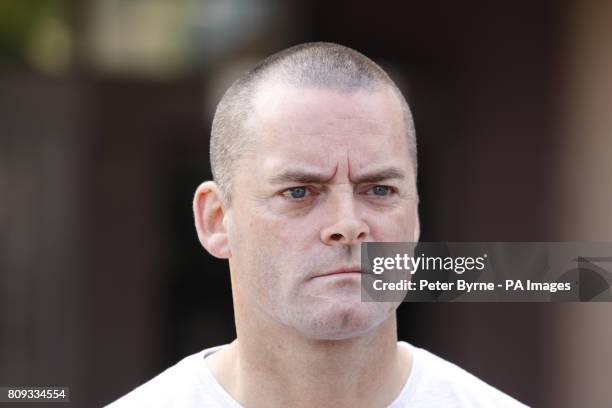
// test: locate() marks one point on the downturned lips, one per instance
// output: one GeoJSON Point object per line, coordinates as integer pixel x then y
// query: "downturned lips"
{"type": "Point", "coordinates": [341, 271]}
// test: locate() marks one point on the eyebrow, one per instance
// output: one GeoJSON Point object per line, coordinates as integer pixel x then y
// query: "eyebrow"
{"type": "Point", "coordinates": [306, 177]}
{"type": "Point", "coordinates": [388, 173]}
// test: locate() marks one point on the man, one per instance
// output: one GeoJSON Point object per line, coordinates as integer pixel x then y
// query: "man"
{"type": "Point", "coordinates": [313, 152]}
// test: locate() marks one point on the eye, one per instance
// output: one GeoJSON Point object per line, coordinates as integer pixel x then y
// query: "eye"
{"type": "Point", "coordinates": [296, 193]}
{"type": "Point", "coordinates": [380, 191]}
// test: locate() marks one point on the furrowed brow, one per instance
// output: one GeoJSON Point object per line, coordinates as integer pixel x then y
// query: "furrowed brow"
{"type": "Point", "coordinates": [380, 175]}
{"type": "Point", "coordinates": [306, 177]}
{"type": "Point", "coordinates": [299, 177]}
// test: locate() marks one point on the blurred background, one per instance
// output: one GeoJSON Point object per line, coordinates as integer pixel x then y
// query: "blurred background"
{"type": "Point", "coordinates": [105, 112]}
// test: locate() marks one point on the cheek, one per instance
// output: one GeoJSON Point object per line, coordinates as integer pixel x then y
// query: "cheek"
{"type": "Point", "coordinates": [396, 226]}
{"type": "Point", "coordinates": [254, 266]}
{"type": "Point", "coordinates": [284, 235]}
{"type": "Point", "coordinates": [263, 250]}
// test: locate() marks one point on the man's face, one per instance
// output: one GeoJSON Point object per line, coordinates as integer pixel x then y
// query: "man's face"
{"type": "Point", "coordinates": [325, 171]}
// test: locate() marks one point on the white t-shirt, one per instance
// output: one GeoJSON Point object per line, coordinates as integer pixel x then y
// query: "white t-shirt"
{"type": "Point", "coordinates": [433, 382]}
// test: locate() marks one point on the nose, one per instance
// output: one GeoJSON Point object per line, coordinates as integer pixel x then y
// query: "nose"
{"type": "Point", "coordinates": [346, 226]}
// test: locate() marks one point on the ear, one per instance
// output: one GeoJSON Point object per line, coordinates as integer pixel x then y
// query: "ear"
{"type": "Point", "coordinates": [209, 213]}
{"type": "Point", "coordinates": [417, 226]}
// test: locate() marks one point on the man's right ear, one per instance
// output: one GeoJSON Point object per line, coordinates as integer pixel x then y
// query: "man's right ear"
{"type": "Point", "coordinates": [209, 212]}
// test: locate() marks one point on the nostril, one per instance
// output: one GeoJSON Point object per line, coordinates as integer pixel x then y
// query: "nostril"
{"type": "Point", "coordinates": [336, 237]}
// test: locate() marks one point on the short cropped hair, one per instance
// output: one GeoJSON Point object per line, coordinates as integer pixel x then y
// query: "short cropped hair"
{"type": "Point", "coordinates": [309, 65]}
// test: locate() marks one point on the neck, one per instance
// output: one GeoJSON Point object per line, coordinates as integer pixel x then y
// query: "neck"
{"type": "Point", "coordinates": [264, 368]}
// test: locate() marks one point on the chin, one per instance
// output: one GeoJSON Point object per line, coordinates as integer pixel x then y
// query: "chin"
{"type": "Point", "coordinates": [342, 321]}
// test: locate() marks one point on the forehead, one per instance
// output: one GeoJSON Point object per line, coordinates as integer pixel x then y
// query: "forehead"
{"type": "Point", "coordinates": [314, 124]}
{"type": "Point", "coordinates": [320, 110]}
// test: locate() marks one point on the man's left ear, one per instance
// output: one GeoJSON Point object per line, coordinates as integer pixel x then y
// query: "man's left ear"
{"type": "Point", "coordinates": [209, 212]}
{"type": "Point", "coordinates": [417, 227]}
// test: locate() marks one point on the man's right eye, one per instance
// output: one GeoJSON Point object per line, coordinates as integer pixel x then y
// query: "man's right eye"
{"type": "Point", "coordinates": [296, 193]}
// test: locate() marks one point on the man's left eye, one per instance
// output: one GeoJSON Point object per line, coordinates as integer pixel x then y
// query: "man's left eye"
{"type": "Point", "coordinates": [380, 191]}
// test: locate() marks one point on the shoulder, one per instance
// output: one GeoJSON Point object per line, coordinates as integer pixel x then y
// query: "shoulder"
{"type": "Point", "coordinates": [182, 385]}
{"type": "Point", "coordinates": [435, 381]}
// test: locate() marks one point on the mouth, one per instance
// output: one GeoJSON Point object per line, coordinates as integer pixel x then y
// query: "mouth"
{"type": "Point", "coordinates": [341, 271]}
